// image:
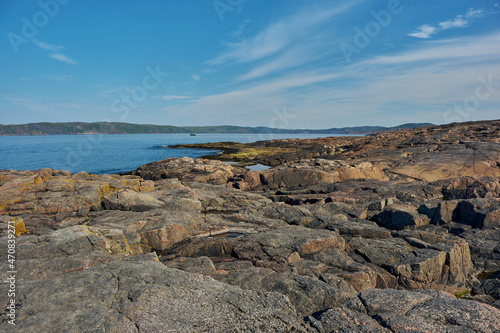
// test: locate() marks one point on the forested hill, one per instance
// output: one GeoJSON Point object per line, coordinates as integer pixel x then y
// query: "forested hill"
{"type": "Point", "coordinates": [125, 128]}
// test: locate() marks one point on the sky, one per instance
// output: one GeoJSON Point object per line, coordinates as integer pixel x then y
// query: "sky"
{"type": "Point", "coordinates": [285, 64]}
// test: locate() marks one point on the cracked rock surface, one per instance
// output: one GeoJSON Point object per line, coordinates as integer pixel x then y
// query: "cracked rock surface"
{"type": "Point", "coordinates": [355, 243]}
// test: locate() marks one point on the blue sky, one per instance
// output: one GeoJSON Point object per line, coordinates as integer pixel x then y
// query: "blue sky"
{"type": "Point", "coordinates": [282, 63]}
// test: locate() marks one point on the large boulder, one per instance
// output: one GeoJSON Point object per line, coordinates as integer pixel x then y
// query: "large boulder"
{"type": "Point", "coordinates": [188, 169]}
{"type": "Point", "coordinates": [143, 295]}
{"type": "Point", "coordinates": [480, 213]}
{"type": "Point", "coordinates": [400, 217]}
{"type": "Point", "coordinates": [308, 295]}
{"type": "Point", "coordinates": [470, 187]}
{"type": "Point", "coordinates": [428, 311]}
{"type": "Point", "coordinates": [418, 261]}
{"type": "Point", "coordinates": [309, 172]}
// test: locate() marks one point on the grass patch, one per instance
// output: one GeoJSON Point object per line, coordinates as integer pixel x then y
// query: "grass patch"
{"type": "Point", "coordinates": [463, 294]}
{"type": "Point", "coordinates": [252, 152]}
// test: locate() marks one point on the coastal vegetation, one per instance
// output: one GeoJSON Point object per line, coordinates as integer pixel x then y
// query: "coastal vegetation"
{"type": "Point", "coordinates": [73, 128]}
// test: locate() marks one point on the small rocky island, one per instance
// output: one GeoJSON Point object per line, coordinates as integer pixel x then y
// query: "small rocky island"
{"type": "Point", "coordinates": [397, 231]}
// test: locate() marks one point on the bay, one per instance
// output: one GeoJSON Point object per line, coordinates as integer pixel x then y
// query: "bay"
{"type": "Point", "coordinates": [110, 154]}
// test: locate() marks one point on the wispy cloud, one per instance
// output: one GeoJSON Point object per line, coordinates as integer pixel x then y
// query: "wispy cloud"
{"type": "Point", "coordinates": [457, 22]}
{"type": "Point", "coordinates": [241, 29]}
{"type": "Point", "coordinates": [277, 36]}
{"type": "Point", "coordinates": [27, 103]}
{"type": "Point", "coordinates": [172, 97]}
{"type": "Point", "coordinates": [286, 60]}
{"type": "Point", "coordinates": [475, 12]}
{"type": "Point", "coordinates": [424, 31]}
{"type": "Point", "coordinates": [60, 77]}
{"type": "Point", "coordinates": [196, 77]}
{"type": "Point", "coordinates": [78, 106]}
{"type": "Point", "coordinates": [472, 48]}
{"type": "Point", "coordinates": [47, 46]}
{"type": "Point", "coordinates": [115, 91]}
{"type": "Point", "coordinates": [54, 52]}
{"type": "Point", "coordinates": [288, 43]}
{"type": "Point", "coordinates": [45, 107]}
{"type": "Point", "coordinates": [416, 86]}
{"type": "Point", "coordinates": [460, 21]}
{"type": "Point", "coordinates": [63, 58]}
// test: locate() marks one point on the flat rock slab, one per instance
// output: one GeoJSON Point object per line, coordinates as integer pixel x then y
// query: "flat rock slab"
{"type": "Point", "coordinates": [429, 311]}
{"type": "Point", "coordinates": [146, 296]}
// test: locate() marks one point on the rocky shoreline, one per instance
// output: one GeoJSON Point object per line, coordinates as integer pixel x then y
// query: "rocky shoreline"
{"type": "Point", "coordinates": [392, 232]}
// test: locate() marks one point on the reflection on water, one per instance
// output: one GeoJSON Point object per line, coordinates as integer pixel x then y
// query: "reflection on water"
{"type": "Point", "coordinates": [258, 167]}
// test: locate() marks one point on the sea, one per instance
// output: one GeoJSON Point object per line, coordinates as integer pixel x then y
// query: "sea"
{"type": "Point", "coordinates": [112, 153]}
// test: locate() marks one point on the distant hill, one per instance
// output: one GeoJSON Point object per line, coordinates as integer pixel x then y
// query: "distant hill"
{"type": "Point", "coordinates": [74, 128]}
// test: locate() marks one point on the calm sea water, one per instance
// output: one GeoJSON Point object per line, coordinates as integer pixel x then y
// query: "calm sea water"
{"type": "Point", "coordinates": [109, 153]}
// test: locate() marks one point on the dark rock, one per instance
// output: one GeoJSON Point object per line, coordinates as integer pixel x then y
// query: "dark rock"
{"type": "Point", "coordinates": [485, 248]}
{"type": "Point", "coordinates": [446, 211]}
{"type": "Point", "coordinates": [399, 217]}
{"type": "Point", "coordinates": [480, 212]}
{"type": "Point", "coordinates": [201, 265]}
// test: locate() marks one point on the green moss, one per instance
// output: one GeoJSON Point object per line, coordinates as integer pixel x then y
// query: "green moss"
{"type": "Point", "coordinates": [252, 152]}
{"type": "Point", "coordinates": [463, 294]}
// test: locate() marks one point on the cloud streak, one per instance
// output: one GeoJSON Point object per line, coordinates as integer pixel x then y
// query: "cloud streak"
{"type": "Point", "coordinates": [472, 48]}
{"type": "Point", "coordinates": [415, 86]}
{"type": "Point", "coordinates": [424, 31]}
{"type": "Point", "coordinates": [278, 36]}
{"type": "Point", "coordinates": [54, 52]}
{"type": "Point", "coordinates": [29, 104]}
{"type": "Point", "coordinates": [172, 97]}
{"type": "Point", "coordinates": [63, 58]}
{"type": "Point", "coordinates": [60, 77]}
{"type": "Point", "coordinates": [460, 21]}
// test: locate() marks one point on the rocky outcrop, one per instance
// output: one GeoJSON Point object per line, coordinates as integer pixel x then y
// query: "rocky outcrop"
{"type": "Point", "coordinates": [400, 217]}
{"type": "Point", "coordinates": [428, 310]}
{"type": "Point", "coordinates": [143, 295]}
{"type": "Point", "coordinates": [307, 172]}
{"type": "Point", "coordinates": [188, 169]}
{"type": "Point", "coordinates": [426, 154]}
{"type": "Point", "coordinates": [391, 310]}
{"type": "Point", "coordinates": [318, 245]}
{"type": "Point", "coordinates": [470, 187]}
